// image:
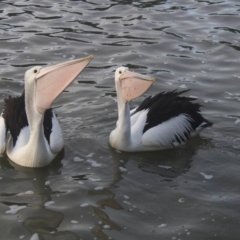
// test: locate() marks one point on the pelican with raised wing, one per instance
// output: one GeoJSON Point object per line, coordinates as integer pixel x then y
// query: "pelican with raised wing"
{"type": "Point", "coordinates": [163, 121]}
{"type": "Point", "coordinates": [35, 134]}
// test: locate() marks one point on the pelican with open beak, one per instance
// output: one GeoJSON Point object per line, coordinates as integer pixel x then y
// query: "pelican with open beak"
{"type": "Point", "coordinates": [163, 121]}
{"type": "Point", "coordinates": [35, 134]}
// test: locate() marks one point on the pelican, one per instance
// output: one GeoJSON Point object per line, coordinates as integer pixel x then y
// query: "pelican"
{"type": "Point", "coordinates": [163, 121]}
{"type": "Point", "coordinates": [35, 134]}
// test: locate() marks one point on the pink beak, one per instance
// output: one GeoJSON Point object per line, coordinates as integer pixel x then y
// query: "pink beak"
{"type": "Point", "coordinates": [52, 80]}
{"type": "Point", "coordinates": [134, 85]}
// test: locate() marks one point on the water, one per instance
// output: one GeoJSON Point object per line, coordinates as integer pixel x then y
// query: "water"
{"type": "Point", "coordinates": [94, 192]}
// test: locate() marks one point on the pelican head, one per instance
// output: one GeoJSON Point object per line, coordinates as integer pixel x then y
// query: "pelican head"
{"type": "Point", "coordinates": [45, 84]}
{"type": "Point", "coordinates": [131, 85]}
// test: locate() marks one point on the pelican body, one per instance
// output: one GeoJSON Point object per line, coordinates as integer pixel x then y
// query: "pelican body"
{"type": "Point", "coordinates": [35, 134]}
{"type": "Point", "coordinates": [163, 121]}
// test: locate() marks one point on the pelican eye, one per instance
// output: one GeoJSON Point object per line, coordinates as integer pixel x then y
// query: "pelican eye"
{"type": "Point", "coordinates": [120, 72]}
{"type": "Point", "coordinates": [35, 70]}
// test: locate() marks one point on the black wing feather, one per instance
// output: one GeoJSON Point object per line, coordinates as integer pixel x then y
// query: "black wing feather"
{"type": "Point", "coordinates": [15, 117]}
{"type": "Point", "coordinates": [166, 105]}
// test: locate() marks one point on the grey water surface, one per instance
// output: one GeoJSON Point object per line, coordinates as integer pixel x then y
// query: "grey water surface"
{"type": "Point", "coordinates": [92, 191]}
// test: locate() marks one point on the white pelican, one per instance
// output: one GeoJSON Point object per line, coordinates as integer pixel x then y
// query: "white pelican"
{"type": "Point", "coordinates": [162, 121]}
{"type": "Point", "coordinates": [35, 134]}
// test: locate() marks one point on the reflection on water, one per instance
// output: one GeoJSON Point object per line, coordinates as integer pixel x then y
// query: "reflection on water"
{"type": "Point", "coordinates": [93, 191]}
{"type": "Point", "coordinates": [44, 221]}
{"type": "Point", "coordinates": [45, 215]}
